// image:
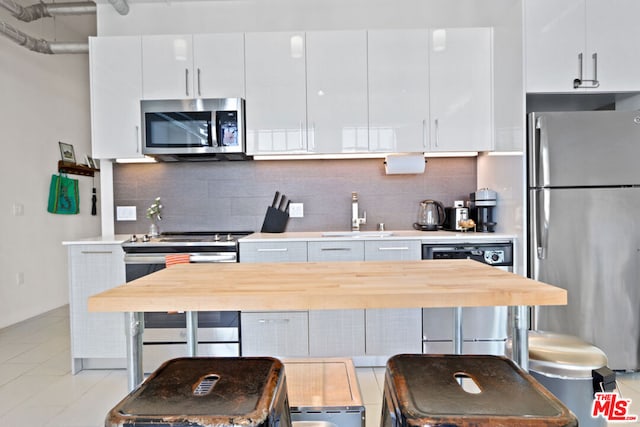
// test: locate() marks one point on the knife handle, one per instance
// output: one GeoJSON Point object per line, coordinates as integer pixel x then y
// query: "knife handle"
{"type": "Point", "coordinates": [275, 199]}
{"type": "Point", "coordinates": [286, 209]}
{"type": "Point", "coordinates": [283, 203]}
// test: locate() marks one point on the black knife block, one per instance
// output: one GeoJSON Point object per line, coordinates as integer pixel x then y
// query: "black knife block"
{"type": "Point", "coordinates": [275, 221]}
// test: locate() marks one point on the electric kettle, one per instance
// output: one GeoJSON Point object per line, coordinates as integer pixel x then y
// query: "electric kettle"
{"type": "Point", "coordinates": [431, 215]}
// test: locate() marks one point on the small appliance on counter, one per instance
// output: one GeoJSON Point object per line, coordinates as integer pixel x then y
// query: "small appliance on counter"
{"type": "Point", "coordinates": [456, 216]}
{"type": "Point", "coordinates": [431, 216]}
{"type": "Point", "coordinates": [481, 209]}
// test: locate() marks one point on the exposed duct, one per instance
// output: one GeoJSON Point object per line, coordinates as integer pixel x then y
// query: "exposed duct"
{"type": "Point", "coordinates": [41, 10]}
{"type": "Point", "coordinates": [47, 10]}
{"type": "Point", "coordinates": [41, 45]}
{"type": "Point", "coordinates": [121, 6]}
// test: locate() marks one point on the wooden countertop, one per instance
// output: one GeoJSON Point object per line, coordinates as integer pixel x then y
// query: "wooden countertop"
{"type": "Point", "coordinates": [326, 285]}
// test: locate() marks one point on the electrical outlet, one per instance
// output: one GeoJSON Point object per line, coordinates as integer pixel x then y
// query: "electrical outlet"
{"type": "Point", "coordinates": [125, 213]}
{"type": "Point", "coordinates": [18, 209]}
{"type": "Point", "coordinates": [296, 210]}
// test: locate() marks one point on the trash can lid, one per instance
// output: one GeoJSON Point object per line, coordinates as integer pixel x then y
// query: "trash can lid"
{"type": "Point", "coordinates": [563, 356]}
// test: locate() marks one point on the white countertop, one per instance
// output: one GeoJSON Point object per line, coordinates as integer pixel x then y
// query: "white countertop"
{"type": "Point", "coordinates": [117, 239]}
{"type": "Point", "coordinates": [425, 236]}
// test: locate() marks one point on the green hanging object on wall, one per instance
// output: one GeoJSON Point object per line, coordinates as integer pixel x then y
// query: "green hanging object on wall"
{"type": "Point", "coordinates": [63, 195]}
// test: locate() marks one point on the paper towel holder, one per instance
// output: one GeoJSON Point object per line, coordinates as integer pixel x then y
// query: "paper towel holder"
{"type": "Point", "coordinates": [404, 163]}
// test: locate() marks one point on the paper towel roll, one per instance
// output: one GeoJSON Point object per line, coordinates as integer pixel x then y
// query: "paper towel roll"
{"type": "Point", "coordinates": [404, 164]}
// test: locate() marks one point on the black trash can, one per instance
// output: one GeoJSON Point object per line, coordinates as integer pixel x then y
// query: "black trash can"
{"type": "Point", "coordinates": [202, 391]}
{"type": "Point", "coordinates": [427, 389]}
{"type": "Point", "coordinates": [564, 364]}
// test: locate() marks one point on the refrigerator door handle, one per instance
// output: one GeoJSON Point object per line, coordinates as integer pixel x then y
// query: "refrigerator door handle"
{"type": "Point", "coordinates": [543, 152]}
{"type": "Point", "coordinates": [542, 222]}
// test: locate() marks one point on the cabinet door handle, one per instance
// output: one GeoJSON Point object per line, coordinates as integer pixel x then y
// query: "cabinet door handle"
{"type": "Point", "coordinates": [335, 249]}
{"type": "Point", "coordinates": [437, 131]}
{"type": "Point", "coordinates": [274, 321]}
{"type": "Point", "coordinates": [595, 82]}
{"type": "Point", "coordinates": [394, 248]}
{"type": "Point", "coordinates": [96, 252]}
{"type": "Point", "coordinates": [424, 133]}
{"type": "Point", "coordinates": [138, 140]}
{"type": "Point", "coordinates": [199, 89]}
{"type": "Point", "coordinates": [303, 146]}
{"type": "Point", "coordinates": [580, 82]}
{"type": "Point", "coordinates": [273, 249]}
{"type": "Point", "coordinates": [186, 81]}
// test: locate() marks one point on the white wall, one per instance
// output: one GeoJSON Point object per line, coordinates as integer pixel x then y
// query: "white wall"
{"type": "Point", "coordinates": [45, 99]}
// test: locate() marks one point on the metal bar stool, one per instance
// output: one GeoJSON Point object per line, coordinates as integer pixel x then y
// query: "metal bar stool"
{"type": "Point", "coordinates": [466, 391]}
{"type": "Point", "coordinates": [206, 391]}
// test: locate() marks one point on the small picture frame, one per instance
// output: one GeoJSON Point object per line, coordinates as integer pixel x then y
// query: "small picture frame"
{"type": "Point", "coordinates": [67, 153]}
{"type": "Point", "coordinates": [91, 163]}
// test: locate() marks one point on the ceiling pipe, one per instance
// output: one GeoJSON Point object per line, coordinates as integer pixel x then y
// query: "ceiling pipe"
{"type": "Point", "coordinates": [47, 10]}
{"type": "Point", "coordinates": [121, 6]}
{"type": "Point", "coordinates": [41, 45]}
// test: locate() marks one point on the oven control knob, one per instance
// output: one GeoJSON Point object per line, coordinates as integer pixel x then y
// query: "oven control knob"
{"type": "Point", "coordinates": [229, 238]}
{"type": "Point", "coordinates": [146, 238]}
{"type": "Point", "coordinates": [133, 238]}
{"type": "Point", "coordinates": [494, 257]}
{"type": "Point", "coordinates": [216, 237]}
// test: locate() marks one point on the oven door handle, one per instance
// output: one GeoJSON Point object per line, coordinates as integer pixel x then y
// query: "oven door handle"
{"type": "Point", "coordinates": [193, 258]}
{"type": "Point", "coordinates": [228, 257]}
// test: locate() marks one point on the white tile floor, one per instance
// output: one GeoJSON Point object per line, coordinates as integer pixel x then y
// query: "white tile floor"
{"type": "Point", "coordinates": [37, 388]}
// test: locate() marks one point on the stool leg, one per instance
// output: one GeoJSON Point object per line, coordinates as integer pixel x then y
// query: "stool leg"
{"type": "Point", "coordinates": [134, 325]}
{"type": "Point", "coordinates": [192, 333]}
{"type": "Point", "coordinates": [457, 330]}
{"type": "Point", "coordinates": [520, 344]}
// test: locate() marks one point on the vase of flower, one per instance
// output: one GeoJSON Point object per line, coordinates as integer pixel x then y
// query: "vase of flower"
{"type": "Point", "coordinates": [153, 213]}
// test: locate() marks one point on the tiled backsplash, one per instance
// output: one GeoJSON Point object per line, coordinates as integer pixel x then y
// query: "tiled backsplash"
{"type": "Point", "coordinates": [235, 195]}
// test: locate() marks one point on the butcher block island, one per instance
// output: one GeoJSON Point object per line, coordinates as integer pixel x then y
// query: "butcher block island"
{"type": "Point", "coordinates": [324, 286]}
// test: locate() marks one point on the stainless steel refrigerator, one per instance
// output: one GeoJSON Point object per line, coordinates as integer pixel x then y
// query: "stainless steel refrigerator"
{"type": "Point", "coordinates": [584, 226]}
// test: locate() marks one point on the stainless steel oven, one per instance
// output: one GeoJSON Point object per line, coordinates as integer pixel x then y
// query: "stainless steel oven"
{"type": "Point", "coordinates": [165, 334]}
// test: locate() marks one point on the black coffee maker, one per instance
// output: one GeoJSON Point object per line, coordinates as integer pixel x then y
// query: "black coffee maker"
{"type": "Point", "coordinates": [481, 209]}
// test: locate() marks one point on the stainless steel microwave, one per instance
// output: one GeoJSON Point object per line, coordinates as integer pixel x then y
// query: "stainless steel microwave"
{"type": "Point", "coordinates": [194, 129]}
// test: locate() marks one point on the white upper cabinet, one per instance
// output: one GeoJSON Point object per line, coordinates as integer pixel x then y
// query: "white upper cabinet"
{"type": "Point", "coordinates": [398, 90]}
{"type": "Point", "coordinates": [116, 89]}
{"type": "Point", "coordinates": [218, 61]}
{"type": "Point", "coordinates": [613, 34]}
{"type": "Point", "coordinates": [461, 89]}
{"type": "Point", "coordinates": [582, 46]}
{"type": "Point", "coordinates": [276, 93]}
{"type": "Point", "coordinates": [198, 66]}
{"type": "Point", "coordinates": [167, 67]}
{"type": "Point", "coordinates": [337, 119]}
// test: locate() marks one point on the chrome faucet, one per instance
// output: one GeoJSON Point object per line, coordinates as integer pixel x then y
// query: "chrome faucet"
{"type": "Point", "coordinates": [356, 221]}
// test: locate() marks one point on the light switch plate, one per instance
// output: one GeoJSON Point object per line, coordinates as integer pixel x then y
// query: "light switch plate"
{"type": "Point", "coordinates": [296, 210]}
{"type": "Point", "coordinates": [125, 213]}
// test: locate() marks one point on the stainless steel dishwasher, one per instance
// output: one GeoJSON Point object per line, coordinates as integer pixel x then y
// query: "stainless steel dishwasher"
{"type": "Point", "coordinates": [484, 329]}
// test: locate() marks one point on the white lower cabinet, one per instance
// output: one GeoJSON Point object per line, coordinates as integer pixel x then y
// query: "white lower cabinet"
{"type": "Point", "coordinates": [392, 250]}
{"type": "Point", "coordinates": [273, 252]}
{"type": "Point", "coordinates": [273, 333]}
{"type": "Point", "coordinates": [97, 339]}
{"type": "Point", "coordinates": [347, 250]}
{"type": "Point", "coordinates": [336, 333]}
{"type": "Point", "coordinates": [393, 331]}
{"type": "Point", "coordinates": [370, 335]}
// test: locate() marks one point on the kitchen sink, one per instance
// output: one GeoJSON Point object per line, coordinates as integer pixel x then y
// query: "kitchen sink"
{"type": "Point", "coordinates": [357, 234]}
